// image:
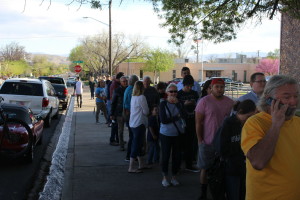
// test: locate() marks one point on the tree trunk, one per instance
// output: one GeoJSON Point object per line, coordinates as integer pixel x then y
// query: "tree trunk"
{"type": "Point", "coordinates": [290, 47]}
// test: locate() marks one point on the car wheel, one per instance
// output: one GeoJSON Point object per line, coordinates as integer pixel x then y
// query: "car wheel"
{"type": "Point", "coordinates": [48, 120]}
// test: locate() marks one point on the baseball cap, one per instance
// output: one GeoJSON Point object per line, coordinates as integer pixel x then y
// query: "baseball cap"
{"type": "Point", "coordinates": [217, 81]}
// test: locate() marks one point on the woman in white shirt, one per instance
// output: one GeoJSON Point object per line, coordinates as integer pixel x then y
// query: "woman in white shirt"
{"type": "Point", "coordinates": [138, 121]}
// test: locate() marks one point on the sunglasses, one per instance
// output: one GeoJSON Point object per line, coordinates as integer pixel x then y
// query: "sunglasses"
{"type": "Point", "coordinates": [172, 91]}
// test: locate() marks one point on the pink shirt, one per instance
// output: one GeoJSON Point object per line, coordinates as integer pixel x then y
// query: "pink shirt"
{"type": "Point", "coordinates": [214, 112]}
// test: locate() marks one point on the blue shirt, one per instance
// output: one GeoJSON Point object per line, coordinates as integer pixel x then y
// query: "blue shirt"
{"type": "Point", "coordinates": [101, 92]}
{"type": "Point", "coordinates": [127, 97]}
{"type": "Point", "coordinates": [251, 95]}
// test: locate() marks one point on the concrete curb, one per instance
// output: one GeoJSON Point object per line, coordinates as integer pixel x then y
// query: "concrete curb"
{"type": "Point", "coordinates": [55, 179]}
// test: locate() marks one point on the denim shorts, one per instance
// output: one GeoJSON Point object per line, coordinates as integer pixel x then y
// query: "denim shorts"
{"type": "Point", "coordinates": [206, 156]}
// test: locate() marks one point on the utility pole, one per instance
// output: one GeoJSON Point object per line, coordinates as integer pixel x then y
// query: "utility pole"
{"type": "Point", "coordinates": [109, 48]}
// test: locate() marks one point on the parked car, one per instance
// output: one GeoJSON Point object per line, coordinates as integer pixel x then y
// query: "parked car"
{"type": "Point", "coordinates": [35, 124]}
{"type": "Point", "coordinates": [175, 80]}
{"type": "Point", "coordinates": [61, 89]}
{"type": "Point", "coordinates": [268, 78]}
{"type": "Point", "coordinates": [38, 95]}
{"type": "Point", "coordinates": [228, 81]}
{"type": "Point", "coordinates": [71, 81]}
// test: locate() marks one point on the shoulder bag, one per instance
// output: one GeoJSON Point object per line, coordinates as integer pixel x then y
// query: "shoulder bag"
{"type": "Point", "coordinates": [181, 121]}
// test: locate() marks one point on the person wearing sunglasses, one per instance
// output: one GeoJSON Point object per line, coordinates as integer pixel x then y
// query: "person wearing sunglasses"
{"type": "Point", "coordinates": [171, 114]}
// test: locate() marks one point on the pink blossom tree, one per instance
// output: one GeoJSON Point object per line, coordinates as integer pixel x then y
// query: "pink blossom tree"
{"type": "Point", "coordinates": [268, 66]}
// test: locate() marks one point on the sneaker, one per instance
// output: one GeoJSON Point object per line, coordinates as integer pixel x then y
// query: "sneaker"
{"type": "Point", "coordinates": [174, 182]}
{"type": "Point", "coordinates": [165, 183]}
{"type": "Point", "coordinates": [192, 169]}
{"type": "Point", "coordinates": [127, 159]}
{"type": "Point", "coordinates": [114, 144]}
{"type": "Point", "coordinates": [97, 122]}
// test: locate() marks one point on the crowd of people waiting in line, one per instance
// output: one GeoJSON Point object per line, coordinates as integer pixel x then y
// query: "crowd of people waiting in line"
{"type": "Point", "coordinates": [255, 138]}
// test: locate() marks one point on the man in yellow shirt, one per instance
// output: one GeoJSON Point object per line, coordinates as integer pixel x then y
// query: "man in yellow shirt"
{"type": "Point", "coordinates": [271, 142]}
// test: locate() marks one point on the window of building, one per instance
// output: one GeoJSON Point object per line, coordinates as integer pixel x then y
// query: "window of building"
{"type": "Point", "coordinates": [213, 74]}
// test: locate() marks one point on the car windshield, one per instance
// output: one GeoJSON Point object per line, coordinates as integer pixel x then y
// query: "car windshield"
{"type": "Point", "coordinates": [54, 80]}
{"type": "Point", "coordinates": [21, 88]}
{"type": "Point", "coordinates": [17, 114]}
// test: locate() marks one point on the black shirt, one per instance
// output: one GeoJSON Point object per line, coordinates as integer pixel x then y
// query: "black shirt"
{"type": "Point", "coordinates": [191, 96]}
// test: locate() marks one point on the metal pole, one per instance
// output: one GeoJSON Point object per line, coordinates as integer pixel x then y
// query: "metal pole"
{"type": "Point", "coordinates": [128, 68]}
{"type": "Point", "coordinates": [109, 48]}
{"type": "Point", "coordinates": [202, 61]}
{"type": "Point", "coordinates": [197, 51]}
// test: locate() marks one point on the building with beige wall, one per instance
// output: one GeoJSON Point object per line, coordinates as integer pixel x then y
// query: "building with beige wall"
{"type": "Point", "coordinates": [236, 71]}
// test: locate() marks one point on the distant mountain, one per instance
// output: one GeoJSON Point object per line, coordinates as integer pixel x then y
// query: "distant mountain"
{"type": "Point", "coordinates": [233, 55]}
{"type": "Point", "coordinates": [207, 57]}
{"type": "Point", "coordinates": [52, 58]}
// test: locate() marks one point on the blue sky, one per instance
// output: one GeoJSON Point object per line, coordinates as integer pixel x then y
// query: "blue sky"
{"type": "Point", "coordinates": [58, 29]}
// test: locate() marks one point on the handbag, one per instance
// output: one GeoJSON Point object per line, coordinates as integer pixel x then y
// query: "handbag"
{"type": "Point", "coordinates": [183, 124]}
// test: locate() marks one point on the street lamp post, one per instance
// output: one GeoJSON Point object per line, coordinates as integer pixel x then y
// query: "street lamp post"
{"type": "Point", "coordinates": [109, 48]}
{"type": "Point", "coordinates": [109, 38]}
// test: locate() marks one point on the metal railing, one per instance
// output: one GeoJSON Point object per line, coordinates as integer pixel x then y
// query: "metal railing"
{"type": "Point", "coordinates": [237, 90]}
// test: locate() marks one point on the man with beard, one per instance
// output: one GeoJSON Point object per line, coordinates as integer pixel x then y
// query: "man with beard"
{"type": "Point", "coordinates": [270, 141]}
{"type": "Point", "coordinates": [211, 110]}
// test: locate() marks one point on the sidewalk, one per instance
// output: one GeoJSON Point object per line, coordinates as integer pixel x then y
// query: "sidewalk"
{"type": "Point", "coordinates": [96, 170]}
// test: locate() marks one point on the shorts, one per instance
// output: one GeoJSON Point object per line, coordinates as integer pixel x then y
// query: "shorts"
{"type": "Point", "coordinates": [206, 156]}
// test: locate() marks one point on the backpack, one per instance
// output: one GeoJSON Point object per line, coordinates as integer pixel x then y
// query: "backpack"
{"type": "Point", "coordinates": [216, 173]}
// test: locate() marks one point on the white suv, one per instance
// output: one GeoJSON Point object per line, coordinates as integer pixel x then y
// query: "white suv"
{"type": "Point", "coordinates": [38, 95]}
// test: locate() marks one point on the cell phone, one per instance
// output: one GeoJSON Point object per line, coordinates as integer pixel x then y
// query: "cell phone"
{"type": "Point", "coordinates": [288, 112]}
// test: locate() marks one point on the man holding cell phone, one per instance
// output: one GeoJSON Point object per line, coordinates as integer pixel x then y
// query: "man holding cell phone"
{"type": "Point", "coordinates": [271, 143]}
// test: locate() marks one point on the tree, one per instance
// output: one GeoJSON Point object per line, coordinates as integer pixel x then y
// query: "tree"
{"type": "Point", "coordinates": [212, 58]}
{"type": "Point", "coordinates": [274, 54]}
{"type": "Point", "coordinates": [159, 60]}
{"type": "Point", "coordinates": [41, 66]}
{"type": "Point", "coordinates": [93, 51]}
{"type": "Point", "coordinates": [268, 66]}
{"type": "Point", "coordinates": [13, 52]}
{"type": "Point", "coordinates": [217, 20]}
{"type": "Point", "coordinates": [14, 68]}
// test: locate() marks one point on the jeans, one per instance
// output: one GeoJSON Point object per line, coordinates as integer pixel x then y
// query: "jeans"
{"type": "Point", "coordinates": [189, 143]}
{"type": "Point", "coordinates": [79, 100]}
{"type": "Point", "coordinates": [108, 107]}
{"type": "Point", "coordinates": [129, 140]}
{"type": "Point", "coordinates": [235, 187]}
{"type": "Point", "coordinates": [92, 89]}
{"type": "Point", "coordinates": [137, 141]}
{"type": "Point", "coordinates": [153, 151]}
{"type": "Point", "coordinates": [170, 144]}
{"type": "Point", "coordinates": [121, 122]}
{"type": "Point", "coordinates": [114, 133]}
